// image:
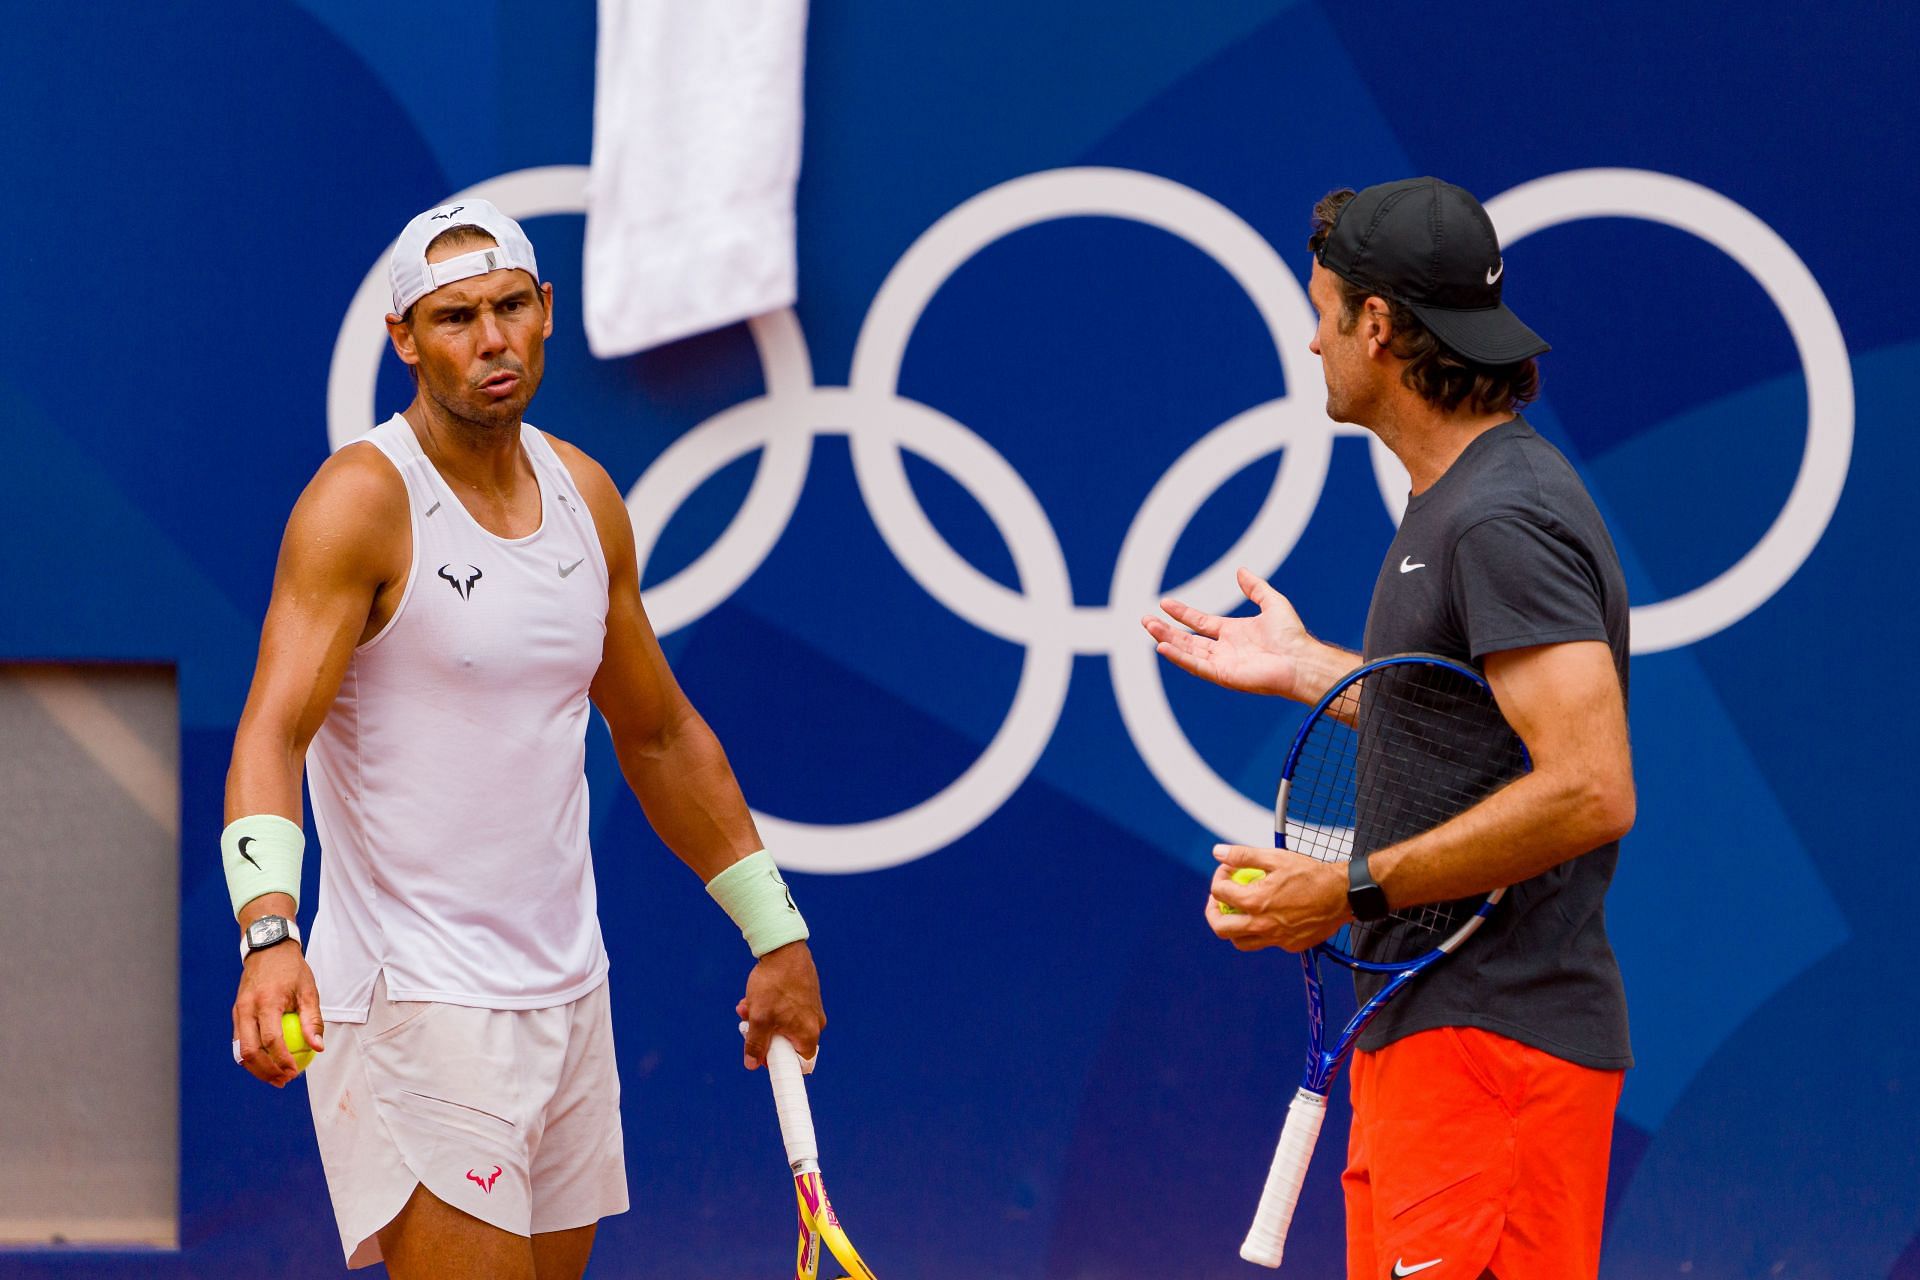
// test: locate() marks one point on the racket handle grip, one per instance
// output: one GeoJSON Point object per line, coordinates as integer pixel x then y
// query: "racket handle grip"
{"type": "Point", "coordinates": [790, 1100]}
{"type": "Point", "coordinates": [1267, 1238]}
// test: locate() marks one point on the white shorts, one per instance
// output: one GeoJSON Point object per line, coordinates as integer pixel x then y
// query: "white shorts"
{"type": "Point", "coordinates": [511, 1115]}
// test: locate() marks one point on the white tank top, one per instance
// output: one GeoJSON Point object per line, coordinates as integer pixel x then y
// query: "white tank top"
{"type": "Point", "coordinates": [448, 781]}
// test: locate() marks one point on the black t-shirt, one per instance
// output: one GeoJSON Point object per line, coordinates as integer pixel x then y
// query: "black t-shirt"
{"type": "Point", "coordinates": [1504, 551]}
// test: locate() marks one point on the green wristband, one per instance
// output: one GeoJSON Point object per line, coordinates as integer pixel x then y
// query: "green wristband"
{"type": "Point", "coordinates": [262, 855]}
{"type": "Point", "coordinates": [752, 892]}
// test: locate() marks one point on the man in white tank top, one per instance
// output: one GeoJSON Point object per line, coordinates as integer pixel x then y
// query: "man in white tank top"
{"type": "Point", "coordinates": [454, 594]}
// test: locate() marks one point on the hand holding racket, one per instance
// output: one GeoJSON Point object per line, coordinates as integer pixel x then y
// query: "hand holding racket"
{"type": "Point", "coordinates": [1395, 748]}
{"type": "Point", "coordinates": [818, 1222]}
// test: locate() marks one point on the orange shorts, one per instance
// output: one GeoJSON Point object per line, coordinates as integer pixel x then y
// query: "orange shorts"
{"type": "Point", "coordinates": [1473, 1153]}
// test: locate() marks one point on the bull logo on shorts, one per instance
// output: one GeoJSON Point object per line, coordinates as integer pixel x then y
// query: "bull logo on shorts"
{"type": "Point", "coordinates": [486, 1183]}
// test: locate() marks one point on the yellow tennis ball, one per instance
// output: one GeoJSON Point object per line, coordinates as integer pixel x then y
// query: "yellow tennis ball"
{"type": "Point", "coordinates": [296, 1040]}
{"type": "Point", "coordinates": [1241, 875]}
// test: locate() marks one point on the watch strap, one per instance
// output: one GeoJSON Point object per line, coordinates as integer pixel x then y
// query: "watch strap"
{"type": "Point", "coordinates": [1365, 898]}
{"type": "Point", "coordinates": [246, 942]}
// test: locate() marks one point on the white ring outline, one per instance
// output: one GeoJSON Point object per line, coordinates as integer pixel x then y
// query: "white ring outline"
{"type": "Point", "coordinates": [1029, 201]}
{"type": "Point", "coordinates": [879, 424]}
{"type": "Point", "coordinates": [1045, 672]}
{"type": "Point", "coordinates": [775, 424]}
{"type": "Point", "coordinates": [1759, 250]}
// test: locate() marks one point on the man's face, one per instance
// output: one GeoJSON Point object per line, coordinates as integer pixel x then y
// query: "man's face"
{"type": "Point", "coordinates": [1343, 355]}
{"type": "Point", "coordinates": [479, 344]}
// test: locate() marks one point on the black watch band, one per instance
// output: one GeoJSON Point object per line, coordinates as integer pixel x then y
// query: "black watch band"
{"type": "Point", "coordinates": [1367, 900]}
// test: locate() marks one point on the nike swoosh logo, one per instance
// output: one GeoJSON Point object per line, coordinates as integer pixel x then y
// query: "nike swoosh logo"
{"type": "Point", "coordinates": [1493, 276]}
{"type": "Point", "coordinates": [242, 850]}
{"type": "Point", "coordinates": [1402, 1269]}
{"type": "Point", "coordinates": [1408, 566]}
{"type": "Point", "coordinates": [575, 565]}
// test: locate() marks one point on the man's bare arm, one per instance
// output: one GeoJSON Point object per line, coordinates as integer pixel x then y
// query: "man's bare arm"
{"type": "Point", "coordinates": [678, 770]}
{"type": "Point", "coordinates": [346, 539]}
{"type": "Point", "coordinates": [1564, 701]}
{"type": "Point", "coordinates": [668, 754]}
{"type": "Point", "coordinates": [338, 551]}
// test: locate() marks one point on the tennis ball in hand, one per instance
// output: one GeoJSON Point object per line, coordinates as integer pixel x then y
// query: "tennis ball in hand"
{"type": "Point", "coordinates": [1241, 875]}
{"type": "Point", "coordinates": [296, 1040]}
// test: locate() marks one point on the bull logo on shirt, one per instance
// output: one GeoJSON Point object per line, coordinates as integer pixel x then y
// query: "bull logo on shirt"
{"type": "Point", "coordinates": [485, 1183]}
{"type": "Point", "coordinates": [461, 583]}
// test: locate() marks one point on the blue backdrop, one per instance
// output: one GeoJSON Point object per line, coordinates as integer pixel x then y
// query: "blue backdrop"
{"type": "Point", "coordinates": [915, 639]}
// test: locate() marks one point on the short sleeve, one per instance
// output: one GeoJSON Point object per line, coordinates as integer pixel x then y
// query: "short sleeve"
{"type": "Point", "coordinates": [1518, 583]}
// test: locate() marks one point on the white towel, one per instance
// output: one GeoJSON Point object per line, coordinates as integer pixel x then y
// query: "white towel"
{"type": "Point", "coordinates": [696, 149]}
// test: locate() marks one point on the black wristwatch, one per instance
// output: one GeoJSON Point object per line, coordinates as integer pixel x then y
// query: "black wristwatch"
{"type": "Point", "coordinates": [267, 931]}
{"type": "Point", "coordinates": [1367, 900]}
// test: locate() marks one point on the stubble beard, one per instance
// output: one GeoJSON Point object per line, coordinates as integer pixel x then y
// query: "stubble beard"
{"type": "Point", "coordinates": [472, 409]}
{"type": "Point", "coordinates": [1347, 398]}
{"type": "Point", "coordinates": [1339, 404]}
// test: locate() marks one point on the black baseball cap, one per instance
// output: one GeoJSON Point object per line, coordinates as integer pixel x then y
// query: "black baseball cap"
{"type": "Point", "coordinates": [1429, 245]}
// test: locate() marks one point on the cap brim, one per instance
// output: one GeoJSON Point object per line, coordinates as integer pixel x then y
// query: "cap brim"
{"type": "Point", "coordinates": [1490, 335]}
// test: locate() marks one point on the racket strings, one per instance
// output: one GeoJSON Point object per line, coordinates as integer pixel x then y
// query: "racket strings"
{"type": "Point", "coordinates": [1416, 745]}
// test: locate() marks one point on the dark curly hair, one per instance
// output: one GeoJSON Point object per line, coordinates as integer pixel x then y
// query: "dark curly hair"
{"type": "Point", "coordinates": [1435, 372]}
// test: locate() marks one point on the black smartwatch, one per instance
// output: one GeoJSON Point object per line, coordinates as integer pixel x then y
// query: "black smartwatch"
{"type": "Point", "coordinates": [267, 931]}
{"type": "Point", "coordinates": [1367, 900]}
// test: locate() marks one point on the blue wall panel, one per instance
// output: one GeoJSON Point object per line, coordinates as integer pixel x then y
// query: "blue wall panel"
{"type": "Point", "coordinates": [1041, 1064]}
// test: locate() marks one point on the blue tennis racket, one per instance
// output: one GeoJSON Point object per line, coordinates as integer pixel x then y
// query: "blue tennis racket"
{"type": "Point", "coordinates": [1396, 748]}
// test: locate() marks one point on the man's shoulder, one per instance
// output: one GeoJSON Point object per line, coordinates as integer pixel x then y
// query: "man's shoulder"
{"type": "Point", "coordinates": [357, 477]}
{"type": "Point", "coordinates": [595, 485]}
{"type": "Point", "coordinates": [1499, 483]}
{"type": "Point", "coordinates": [1518, 475]}
{"type": "Point", "coordinates": [569, 453]}
{"type": "Point", "coordinates": [354, 510]}
{"type": "Point", "coordinates": [604, 499]}
{"type": "Point", "coordinates": [1526, 450]}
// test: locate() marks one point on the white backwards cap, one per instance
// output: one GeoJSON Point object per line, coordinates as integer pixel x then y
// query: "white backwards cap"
{"type": "Point", "coordinates": [412, 277]}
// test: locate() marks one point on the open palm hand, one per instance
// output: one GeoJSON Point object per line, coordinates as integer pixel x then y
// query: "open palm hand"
{"type": "Point", "coordinates": [1260, 654]}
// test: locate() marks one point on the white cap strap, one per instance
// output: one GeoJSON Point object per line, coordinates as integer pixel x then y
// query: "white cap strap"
{"type": "Point", "coordinates": [467, 265]}
{"type": "Point", "coordinates": [412, 277]}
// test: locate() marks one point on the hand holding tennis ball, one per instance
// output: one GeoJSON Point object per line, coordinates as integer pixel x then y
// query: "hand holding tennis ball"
{"type": "Point", "coordinates": [1241, 875]}
{"type": "Point", "coordinates": [296, 1040]}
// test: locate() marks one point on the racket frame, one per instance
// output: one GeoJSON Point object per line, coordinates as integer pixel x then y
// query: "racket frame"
{"type": "Point", "coordinates": [1266, 1238]}
{"type": "Point", "coordinates": [819, 1224]}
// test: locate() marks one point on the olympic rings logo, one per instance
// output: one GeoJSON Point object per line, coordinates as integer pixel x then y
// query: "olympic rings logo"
{"type": "Point", "coordinates": [1041, 616]}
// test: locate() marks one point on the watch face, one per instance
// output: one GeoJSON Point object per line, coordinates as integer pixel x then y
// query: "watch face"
{"type": "Point", "coordinates": [266, 930]}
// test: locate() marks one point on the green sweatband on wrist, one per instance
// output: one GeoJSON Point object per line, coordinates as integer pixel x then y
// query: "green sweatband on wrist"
{"type": "Point", "coordinates": [752, 892]}
{"type": "Point", "coordinates": [262, 855]}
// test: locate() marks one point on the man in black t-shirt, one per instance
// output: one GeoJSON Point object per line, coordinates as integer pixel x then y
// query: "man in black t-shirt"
{"type": "Point", "coordinates": [1484, 1095]}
